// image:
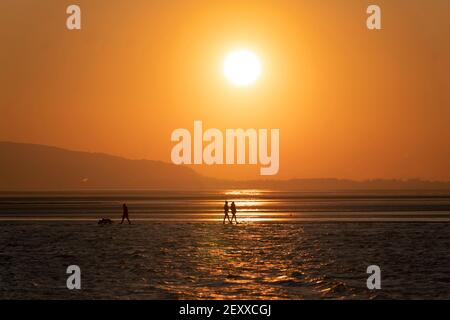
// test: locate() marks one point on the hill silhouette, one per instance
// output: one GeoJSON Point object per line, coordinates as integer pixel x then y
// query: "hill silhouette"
{"type": "Point", "coordinates": [30, 166]}
{"type": "Point", "coordinates": [38, 167]}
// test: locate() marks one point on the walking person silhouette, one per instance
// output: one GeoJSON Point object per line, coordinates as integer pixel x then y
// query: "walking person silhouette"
{"type": "Point", "coordinates": [233, 212]}
{"type": "Point", "coordinates": [125, 214]}
{"type": "Point", "coordinates": [226, 209]}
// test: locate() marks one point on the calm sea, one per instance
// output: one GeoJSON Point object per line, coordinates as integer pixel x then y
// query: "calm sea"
{"type": "Point", "coordinates": [252, 205]}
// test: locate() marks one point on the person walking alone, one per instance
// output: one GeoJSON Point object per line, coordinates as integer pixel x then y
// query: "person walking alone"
{"type": "Point", "coordinates": [125, 214]}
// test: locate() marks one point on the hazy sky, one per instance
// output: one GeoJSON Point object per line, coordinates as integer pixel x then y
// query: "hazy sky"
{"type": "Point", "coordinates": [349, 102]}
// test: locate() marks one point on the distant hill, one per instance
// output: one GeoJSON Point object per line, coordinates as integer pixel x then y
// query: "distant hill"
{"type": "Point", "coordinates": [38, 167]}
{"type": "Point", "coordinates": [29, 166]}
{"type": "Point", "coordinates": [343, 184]}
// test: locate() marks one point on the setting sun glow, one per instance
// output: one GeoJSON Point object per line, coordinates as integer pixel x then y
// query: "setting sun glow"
{"type": "Point", "coordinates": [242, 67]}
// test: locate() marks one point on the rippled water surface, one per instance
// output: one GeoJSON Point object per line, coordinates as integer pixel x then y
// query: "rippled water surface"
{"type": "Point", "coordinates": [209, 260]}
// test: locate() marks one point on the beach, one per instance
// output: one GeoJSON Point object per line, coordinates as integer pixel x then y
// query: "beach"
{"type": "Point", "coordinates": [181, 259]}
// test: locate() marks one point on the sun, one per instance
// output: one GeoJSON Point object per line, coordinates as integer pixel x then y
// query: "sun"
{"type": "Point", "coordinates": [242, 67]}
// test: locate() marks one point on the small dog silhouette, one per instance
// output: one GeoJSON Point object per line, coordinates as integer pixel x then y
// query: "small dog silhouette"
{"type": "Point", "coordinates": [104, 221]}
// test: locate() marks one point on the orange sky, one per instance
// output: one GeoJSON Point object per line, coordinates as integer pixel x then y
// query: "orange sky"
{"type": "Point", "coordinates": [349, 102]}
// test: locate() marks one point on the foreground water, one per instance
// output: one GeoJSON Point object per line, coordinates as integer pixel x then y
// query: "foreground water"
{"type": "Point", "coordinates": [288, 245]}
{"type": "Point", "coordinates": [208, 260]}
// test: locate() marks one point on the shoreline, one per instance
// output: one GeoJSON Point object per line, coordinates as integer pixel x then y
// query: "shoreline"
{"type": "Point", "coordinates": [243, 221]}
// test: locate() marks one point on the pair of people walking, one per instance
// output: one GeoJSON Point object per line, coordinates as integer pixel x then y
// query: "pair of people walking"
{"type": "Point", "coordinates": [226, 209]}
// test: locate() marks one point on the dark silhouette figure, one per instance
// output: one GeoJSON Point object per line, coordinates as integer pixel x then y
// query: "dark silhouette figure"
{"type": "Point", "coordinates": [233, 212]}
{"type": "Point", "coordinates": [226, 209]}
{"type": "Point", "coordinates": [125, 214]}
{"type": "Point", "coordinates": [105, 221]}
